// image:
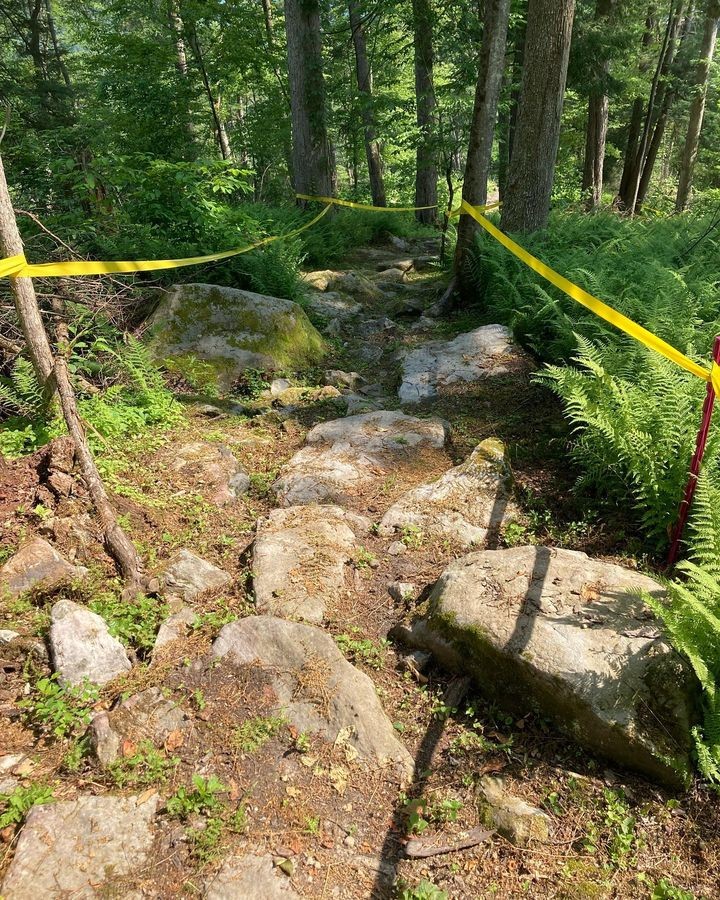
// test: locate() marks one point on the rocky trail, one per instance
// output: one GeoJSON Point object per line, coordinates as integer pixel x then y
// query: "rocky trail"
{"type": "Point", "coordinates": [378, 663]}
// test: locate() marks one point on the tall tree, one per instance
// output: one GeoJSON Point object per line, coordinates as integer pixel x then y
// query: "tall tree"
{"type": "Point", "coordinates": [312, 154]}
{"type": "Point", "coordinates": [697, 106]}
{"type": "Point", "coordinates": [367, 110]}
{"type": "Point", "coordinates": [532, 165]}
{"type": "Point", "coordinates": [482, 128]}
{"type": "Point", "coordinates": [214, 99]}
{"type": "Point", "coordinates": [598, 111]}
{"type": "Point", "coordinates": [426, 166]}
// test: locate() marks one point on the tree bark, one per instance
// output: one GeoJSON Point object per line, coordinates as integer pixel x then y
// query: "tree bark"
{"type": "Point", "coordinates": [426, 167]}
{"type": "Point", "coordinates": [176, 24]}
{"type": "Point", "coordinates": [482, 128]}
{"type": "Point", "coordinates": [367, 111]}
{"type": "Point", "coordinates": [312, 154]}
{"type": "Point", "coordinates": [47, 368]}
{"type": "Point", "coordinates": [597, 124]}
{"type": "Point", "coordinates": [23, 293]}
{"type": "Point", "coordinates": [532, 165]}
{"type": "Point", "coordinates": [697, 106]}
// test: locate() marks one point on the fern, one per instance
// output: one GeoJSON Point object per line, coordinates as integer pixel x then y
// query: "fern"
{"type": "Point", "coordinates": [20, 393]}
{"type": "Point", "coordinates": [691, 616]}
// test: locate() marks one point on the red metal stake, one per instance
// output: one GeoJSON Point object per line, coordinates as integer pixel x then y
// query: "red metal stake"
{"type": "Point", "coordinates": [702, 437]}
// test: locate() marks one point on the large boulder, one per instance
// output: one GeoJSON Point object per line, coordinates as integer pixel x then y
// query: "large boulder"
{"type": "Point", "coordinates": [556, 631]}
{"type": "Point", "coordinates": [89, 847]}
{"type": "Point", "coordinates": [300, 559]}
{"type": "Point", "coordinates": [317, 689]}
{"type": "Point", "coordinates": [36, 564]}
{"type": "Point", "coordinates": [81, 647]}
{"type": "Point", "coordinates": [343, 456]}
{"type": "Point", "coordinates": [467, 505]}
{"type": "Point", "coordinates": [233, 330]}
{"type": "Point", "coordinates": [478, 354]}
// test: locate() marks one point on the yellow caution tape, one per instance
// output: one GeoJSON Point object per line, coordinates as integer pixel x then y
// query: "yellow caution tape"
{"type": "Point", "coordinates": [17, 266]}
{"type": "Point", "coordinates": [352, 205]}
{"type": "Point", "coordinates": [593, 304]}
{"type": "Point", "coordinates": [11, 265]}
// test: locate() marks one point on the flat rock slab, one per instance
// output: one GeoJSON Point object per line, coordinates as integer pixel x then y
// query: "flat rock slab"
{"type": "Point", "coordinates": [233, 330]}
{"type": "Point", "coordinates": [147, 716]}
{"type": "Point", "coordinates": [511, 816]}
{"type": "Point", "coordinates": [82, 648]}
{"type": "Point", "coordinates": [332, 305]}
{"type": "Point", "coordinates": [249, 878]}
{"type": "Point", "coordinates": [81, 848]}
{"type": "Point", "coordinates": [344, 455]}
{"type": "Point", "coordinates": [190, 576]}
{"type": "Point", "coordinates": [36, 564]}
{"type": "Point", "coordinates": [318, 690]}
{"type": "Point", "coordinates": [487, 351]}
{"type": "Point", "coordinates": [553, 630]}
{"type": "Point", "coordinates": [300, 559]}
{"type": "Point", "coordinates": [213, 470]}
{"type": "Point", "coordinates": [467, 505]}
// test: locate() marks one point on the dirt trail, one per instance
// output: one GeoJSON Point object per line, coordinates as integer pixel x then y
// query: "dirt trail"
{"type": "Point", "coordinates": [330, 823]}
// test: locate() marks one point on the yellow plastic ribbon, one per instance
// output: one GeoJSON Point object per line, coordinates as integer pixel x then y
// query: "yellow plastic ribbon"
{"type": "Point", "coordinates": [22, 269]}
{"type": "Point", "coordinates": [352, 205]}
{"type": "Point", "coordinates": [596, 306]}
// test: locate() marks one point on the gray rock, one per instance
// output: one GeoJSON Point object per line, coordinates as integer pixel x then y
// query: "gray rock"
{"type": "Point", "coordinates": [147, 716]}
{"type": "Point", "coordinates": [321, 280]}
{"type": "Point", "coordinates": [401, 591]}
{"type": "Point", "coordinates": [339, 379]}
{"type": "Point", "coordinates": [399, 243]}
{"type": "Point", "coordinates": [512, 817]}
{"type": "Point", "coordinates": [233, 330]}
{"type": "Point", "coordinates": [81, 647]}
{"type": "Point", "coordinates": [334, 307]}
{"type": "Point", "coordinates": [7, 636]}
{"type": "Point", "coordinates": [82, 848]}
{"type": "Point", "coordinates": [249, 878]}
{"type": "Point", "coordinates": [487, 351]}
{"type": "Point", "coordinates": [358, 285]}
{"type": "Point", "coordinates": [466, 505]}
{"type": "Point", "coordinates": [357, 404]}
{"type": "Point", "coordinates": [370, 354]}
{"type": "Point", "coordinates": [417, 662]}
{"type": "Point", "coordinates": [370, 327]}
{"type": "Point", "coordinates": [36, 564]}
{"type": "Point", "coordinates": [278, 385]}
{"type": "Point", "coordinates": [318, 690]}
{"type": "Point", "coordinates": [397, 548]}
{"type": "Point", "coordinates": [300, 559]}
{"type": "Point", "coordinates": [344, 455]}
{"type": "Point", "coordinates": [404, 265]}
{"type": "Point", "coordinates": [176, 626]}
{"type": "Point", "coordinates": [556, 631]}
{"type": "Point", "coordinates": [213, 469]}
{"type": "Point", "coordinates": [190, 575]}
{"type": "Point", "coordinates": [392, 275]}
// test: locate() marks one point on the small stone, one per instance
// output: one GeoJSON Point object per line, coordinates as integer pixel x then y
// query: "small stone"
{"type": "Point", "coordinates": [208, 410]}
{"type": "Point", "coordinates": [251, 878]}
{"type": "Point", "coordinates": [191, 576]}
{"type": "Point", "coordinates": [397, 548]}
{"type": "Point", "coordinates": [35, 564]}
{"type": "Point", "coordinates": [392, 276]}
{"type": "Point", "coordinates": [212, 467]}
{"type": "Point", "coordinates": [402, 591]}
{"type": "Point", "coordinates": [337, 378]}
{"type": "Point", "coordinates": [417, 661]}
{"type": "Point", "coordinates": [349, 841]}
{"type": "Point", "coordinates": [82, 648]}
{"type": "Point", "coordinates": [176, 626]}
{"type": "Point", "coordinates": [512, 817]}
{"type": "Point", "coordinates": [7, 636]}
{"type": "Point", "coordinates": [357, 404]}
{"type": "Point", "coordinates": [278, 385]}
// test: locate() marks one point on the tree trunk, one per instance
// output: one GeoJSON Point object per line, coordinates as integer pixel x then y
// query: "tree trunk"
{"type": "Point", "coordinates": [23, 293]}
{"type": "Point", "coordinates": [482, 128]}
{"type": "Point", "coordinates": [176, 24]}
{"type": "Point", "coordinates": [661, 70]}
{"type": "Point", "coordinates": [697, 107]}
{"type": "Point", "coordinates": [532, 165]}
{"type": "Point", "coordinates": [51, 369]}
{"type": "Point", "coordinates": [597, 124]}
{"type": "Point", "coordinates": [56, 45]}
{"type": "Point", "coordinates": [221, 136]}
{"type": "Point", "coordinates": [426, 168]}
{"type": "Point", "coordinates": [267, 15]}
{"type": "Point", "coordinates": [364, 80]}
{"type": "Point", "coordinates": [312, 155]}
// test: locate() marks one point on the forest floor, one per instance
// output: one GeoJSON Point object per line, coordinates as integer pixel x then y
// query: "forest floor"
{"type": "Point", "coordinates": [333, 827]}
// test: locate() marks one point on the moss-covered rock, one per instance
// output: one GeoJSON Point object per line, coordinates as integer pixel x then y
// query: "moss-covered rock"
{"type": "Point", "coordinates": [233, 330]}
